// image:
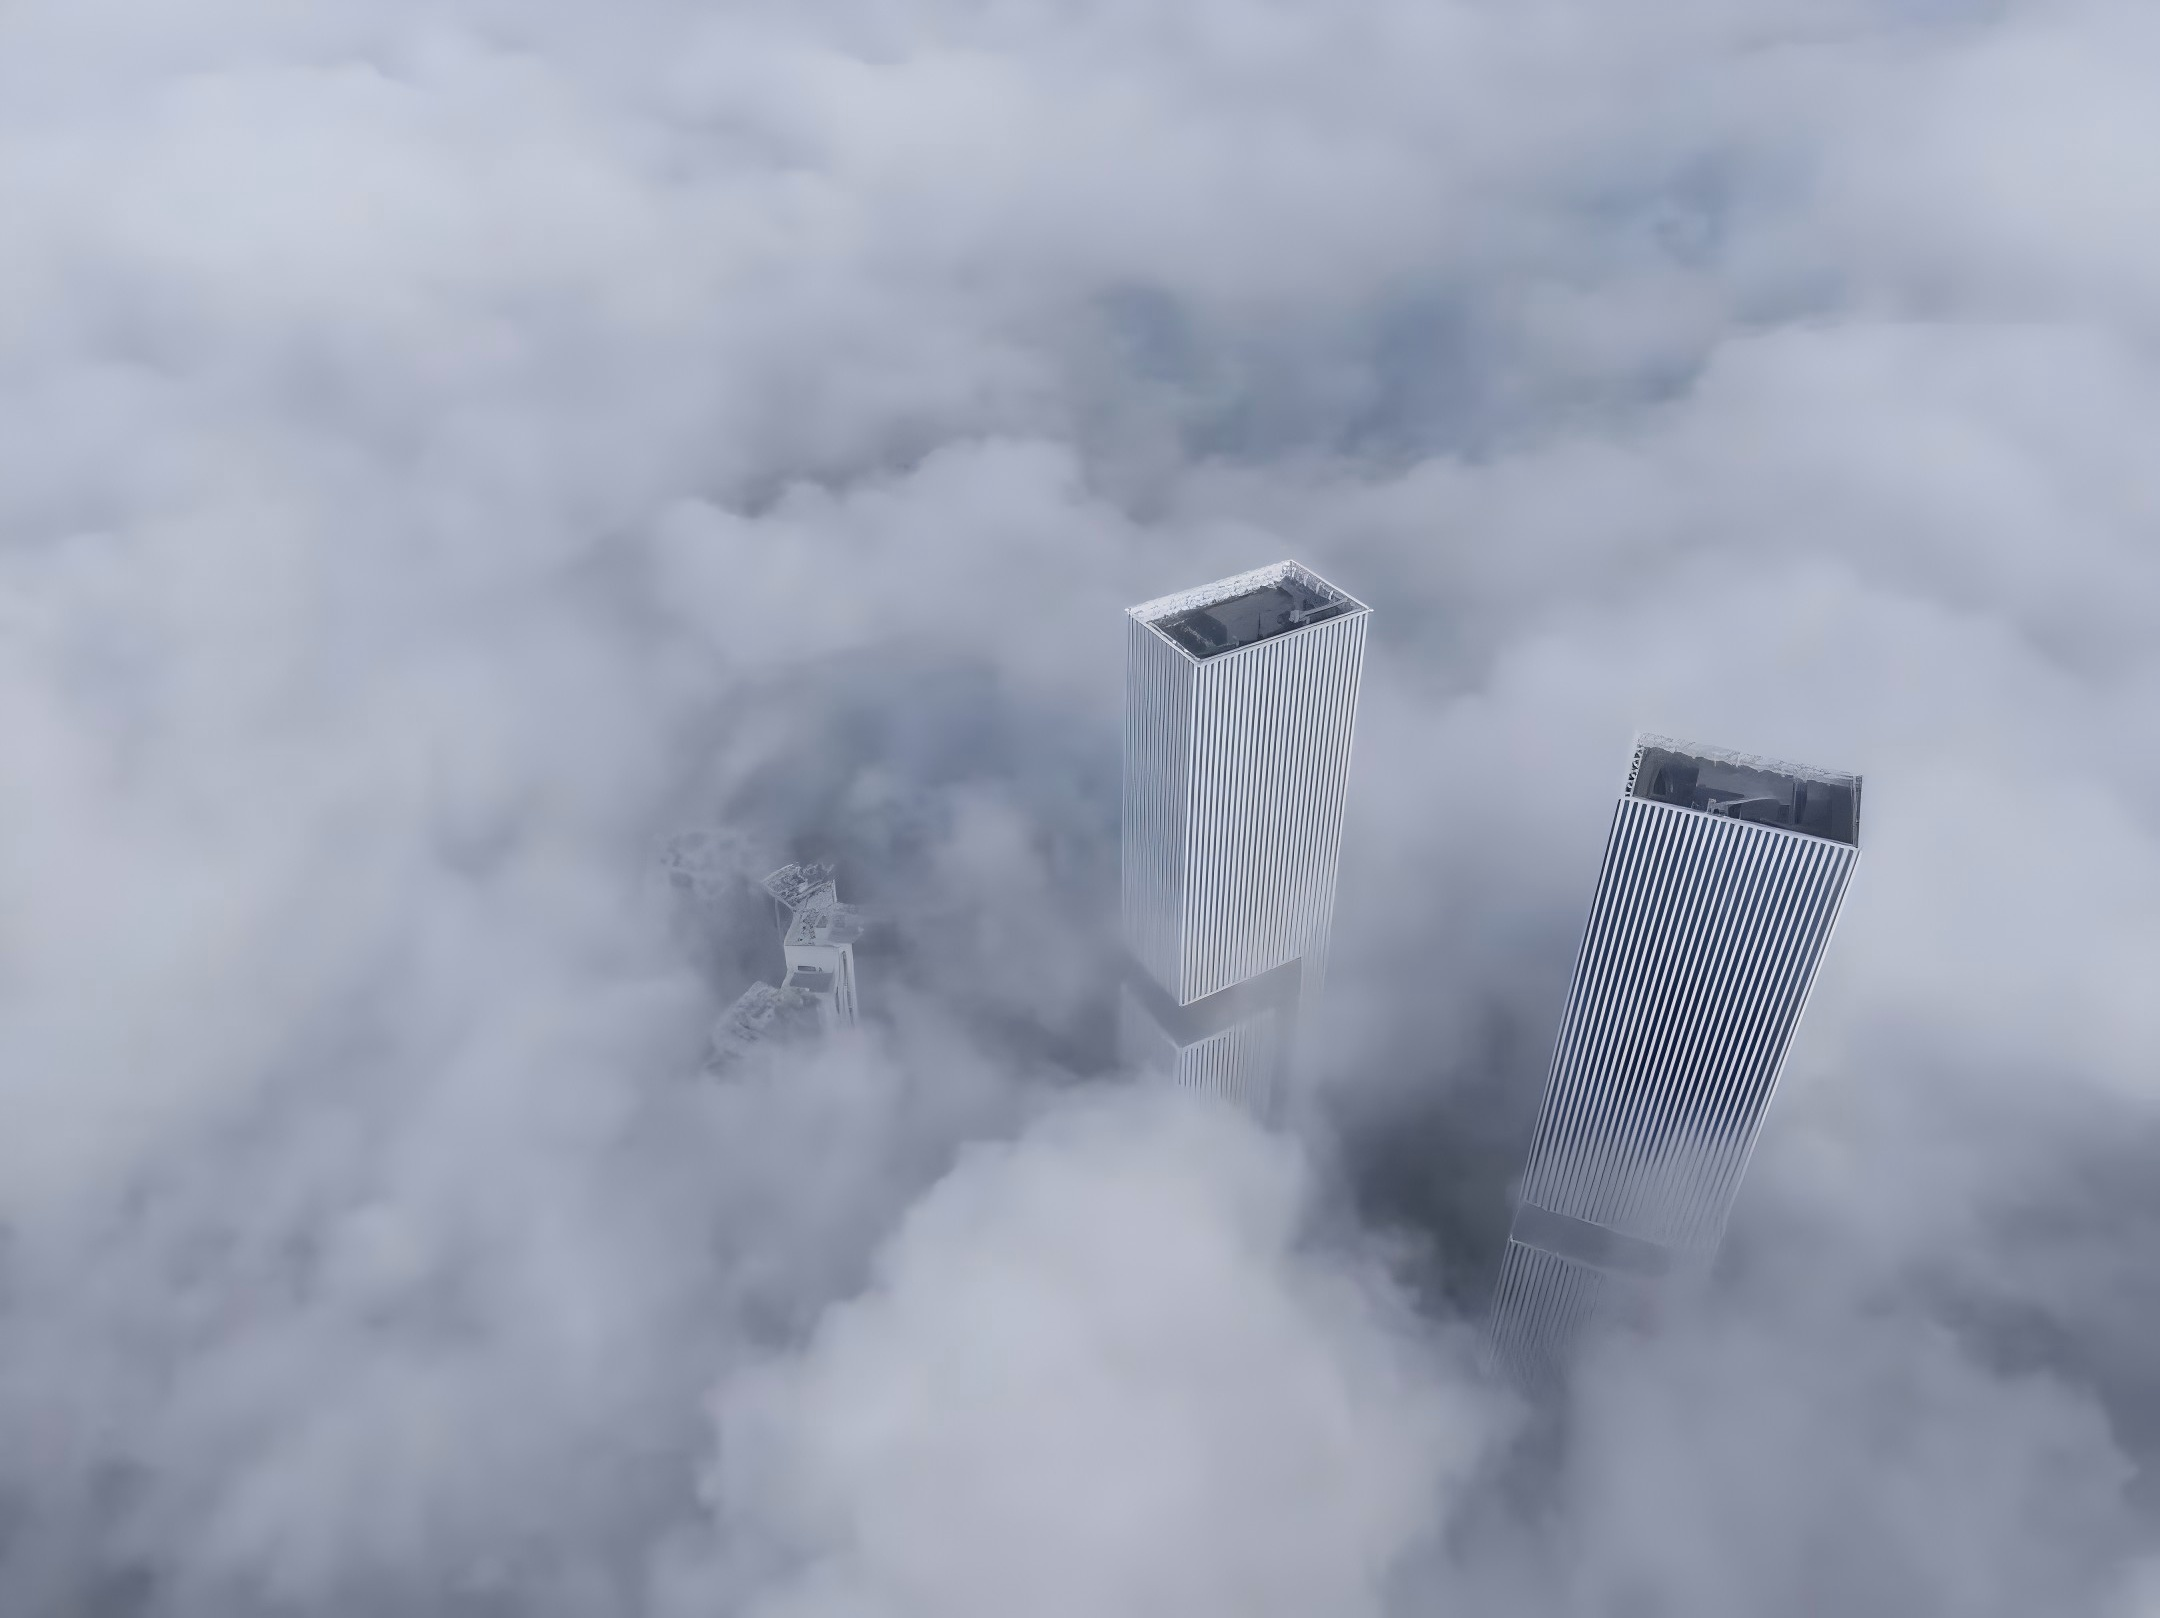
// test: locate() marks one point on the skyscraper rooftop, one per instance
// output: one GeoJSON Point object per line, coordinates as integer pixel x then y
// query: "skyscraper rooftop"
{"type": "Point", "coordinates": [831, 924]}
{"type": "Point", "coordinates": [1743, 786]}
{"type": "Point", "coordinates": [1244, 609]}
{"type": "Point", "coordinates": [798, 885]}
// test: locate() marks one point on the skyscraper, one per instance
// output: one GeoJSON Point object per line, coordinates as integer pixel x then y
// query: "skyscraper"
{"type": "Point", "coordinates": [1240, 701]}
{"type": "Point", "coordinates": [817, 944]}
{"type": "Point", "coordinates": [1723, 877]}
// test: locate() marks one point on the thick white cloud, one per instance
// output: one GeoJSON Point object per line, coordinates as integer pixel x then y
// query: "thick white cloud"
{"type": "Point", "coordinates": [1094, 1373]}
{"type": "Point", "coordinates": [447, 448]}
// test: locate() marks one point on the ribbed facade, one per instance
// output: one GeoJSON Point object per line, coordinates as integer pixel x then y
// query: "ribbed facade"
{"type": "Point", "coordinates": [1543, 1302]}
{"type": "Point", "coordinates": [1704, 938]}
{"type": "Point", "coordinates": [1236, 770]}
{"type": "Point", "coordinates": [1161, 690]}
{"type": "Point", "coordinates": [1270, 766]}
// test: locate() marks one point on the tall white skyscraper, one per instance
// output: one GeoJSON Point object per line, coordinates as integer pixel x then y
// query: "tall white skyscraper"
{"type": "Point", "coordinates": [1240, 702]}
{"type": "Point", "coordinates": [1723, 877]}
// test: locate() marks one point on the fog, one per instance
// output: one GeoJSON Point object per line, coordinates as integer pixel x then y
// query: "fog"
{"type": "Point", "coordinates": [450, 452]}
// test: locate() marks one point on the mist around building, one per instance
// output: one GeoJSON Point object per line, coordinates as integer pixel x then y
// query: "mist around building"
{"type": "Point", "coordinates": [486, 488]}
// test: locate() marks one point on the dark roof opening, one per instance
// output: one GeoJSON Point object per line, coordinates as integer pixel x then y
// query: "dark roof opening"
{"type": "Point", "coordinates": [1821, 803]}
{"type": "Point", "coordinates": [1257, 615]}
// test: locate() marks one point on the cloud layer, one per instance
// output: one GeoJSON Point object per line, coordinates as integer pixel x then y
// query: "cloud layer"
{"type": "Point", "coordinates": [451, 449]}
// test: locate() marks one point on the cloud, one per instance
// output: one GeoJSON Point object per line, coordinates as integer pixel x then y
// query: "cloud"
{"type": "Point", "coordinates": [1094, 1372]}
{"type": "Point", "coordinates": [449, 452]}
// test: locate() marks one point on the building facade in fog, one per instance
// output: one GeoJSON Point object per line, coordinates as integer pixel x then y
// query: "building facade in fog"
{"type": "Point", "coordinates": [817, 940]}
{"type": "Point", "coordinates": [1240, 704]}
{"type": "Point", "coordinates": [817, 946]}
{"type": "Point", "coordinates": [1723, 877]}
